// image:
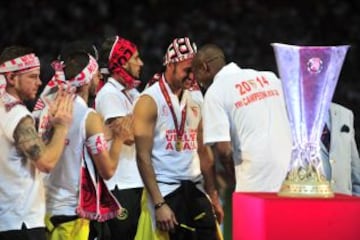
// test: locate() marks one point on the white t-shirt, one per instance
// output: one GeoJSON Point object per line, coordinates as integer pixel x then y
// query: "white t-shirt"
{"type": "Point", "coordinates": [172, 166]}
{"type": "Point", "coordinates": [22, 197]}
{"type": "Point", "coordinates": [247, 107]}
{"type": "Point", "coordinates": [62, 183]}
{"type": "Point", "coordinates": [114, 101]}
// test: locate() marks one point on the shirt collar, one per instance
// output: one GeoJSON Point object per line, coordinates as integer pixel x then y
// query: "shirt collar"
{"type": "Point", "coordinates": [116, 84]}
{"type": "Point", "coordinates": [230, 67]}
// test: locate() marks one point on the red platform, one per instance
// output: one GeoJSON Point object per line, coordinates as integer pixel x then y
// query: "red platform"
{"type": "Point", "coordinates": [265, 216]}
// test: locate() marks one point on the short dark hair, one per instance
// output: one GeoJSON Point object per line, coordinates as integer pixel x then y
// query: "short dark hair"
{"type": "Point", "coordinates": [78, 46]}
{"type": "Point", "coordinates": [105, 51]}
{"type": "Point", "coordinates": [75, 63]}
{"type": "Point", "coordinates": [13, 52]}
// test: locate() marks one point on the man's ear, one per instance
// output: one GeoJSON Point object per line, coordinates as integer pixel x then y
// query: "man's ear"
{"type": "Point", "coordinates": [171, 65]}
{"type": "Point", "coordinates": [125, 66]}
{"type": "Point", "coordinates": [10, 78]}
{"type": "Point", "coordinates": [205, 66]}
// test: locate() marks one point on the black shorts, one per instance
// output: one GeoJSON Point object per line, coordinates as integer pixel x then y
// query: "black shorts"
{"type": "Point", "coordinates": [194, 213]}
{"type": "Point", "coordinates": [125, 226]}
{"type": "Point", "coordinates": [24, 234]}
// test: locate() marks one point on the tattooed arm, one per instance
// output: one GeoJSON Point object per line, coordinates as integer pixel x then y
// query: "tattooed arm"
{"type": "Point", "coordinates": [27, 139]}
{"type": "Point", "coordinates": [30, 144]}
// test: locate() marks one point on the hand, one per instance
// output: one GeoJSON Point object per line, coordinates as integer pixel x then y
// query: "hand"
{"type": "Point", "coordinates": [108, 133]}
{"type": "Point", "coordinates": [218, 209]}
{"type": "Point", "coordinates": [123, 128]}
{"type": "Point", "coordinates": [61, 109]}
{"type": "Point", "coordinates": [165, 218]}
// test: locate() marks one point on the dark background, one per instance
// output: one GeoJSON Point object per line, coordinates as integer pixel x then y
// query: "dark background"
{"type": "Point", "coordinates": [244, 28]}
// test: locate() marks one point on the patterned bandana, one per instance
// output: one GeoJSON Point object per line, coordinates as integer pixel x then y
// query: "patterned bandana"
{"type": "Point", "coordinates": [21, 64]}
{"type": "Point", "coordinates": [25, 63]}
{"type": "Point", "coordinates": [121, 51]}
{"type": "Point", "coordinates": [41, 110]}
{"type": "Point", "coordinates": [179, 50]}
{"type": "Point", "coordinates": [85, 76]}
{"type": "Point", "coordinates": [51, 86]}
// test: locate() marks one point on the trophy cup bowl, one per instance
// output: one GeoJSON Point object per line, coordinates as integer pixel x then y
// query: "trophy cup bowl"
{"type": "Point", "coordinates": [309, 75]}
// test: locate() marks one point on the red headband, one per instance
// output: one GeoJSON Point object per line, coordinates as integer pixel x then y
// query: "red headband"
{"type": "Point", "coordinates": [121, 51]}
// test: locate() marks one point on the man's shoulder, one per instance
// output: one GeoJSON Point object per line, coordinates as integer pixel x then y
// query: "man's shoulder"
{"type": "Point", "coordinates": [108, 87]}
{"type": "Point", "coordinates": [195, 96]}
{"type": "Point", "coordinates": [269, 74]}
{"type": "Point", "coordinates": [18, 109]}
{"type": "Point", "coordinates": [106, 91]}
{"type": "Point", "coordinates": [152, 90]}
{"type": "Point", "coordinates": [340, 108]}
{"type": "Point", "coordinates": [252, 73]}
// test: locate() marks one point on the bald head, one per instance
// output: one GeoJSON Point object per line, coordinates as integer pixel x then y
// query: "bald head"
{"type": "Point", "coordinates": [207, 63]}
{"type": "Point", "coordinates": [211, 52]}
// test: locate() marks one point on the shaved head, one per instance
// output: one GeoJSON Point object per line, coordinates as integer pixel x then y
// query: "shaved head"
{"type": "Point", "coordinates": [209, 51]}
{"type": "Point", "coordinates": [208, 61]}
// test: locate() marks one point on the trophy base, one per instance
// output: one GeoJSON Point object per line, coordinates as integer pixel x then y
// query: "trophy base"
{"type": "Point", "coordinates": [309, 185]}
{"type": "Point", "coordinates": [290, 189]}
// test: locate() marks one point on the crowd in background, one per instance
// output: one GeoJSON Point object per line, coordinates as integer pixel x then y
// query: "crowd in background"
{"type": "Point", "coordinates": [244, 28]}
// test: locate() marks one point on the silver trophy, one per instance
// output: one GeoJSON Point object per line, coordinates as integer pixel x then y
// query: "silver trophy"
{"type": "Point", "coordinates": [309, 75]}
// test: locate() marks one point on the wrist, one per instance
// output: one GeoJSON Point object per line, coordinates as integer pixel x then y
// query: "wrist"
{"type": "Point", "coordinates": [61, 129]}
{"type": "Point", "coordinates": [159, 205]}
{"type": "Point", "coordinates": [214, 196]}
{"type": "Point", "coordinates": [213, 193]}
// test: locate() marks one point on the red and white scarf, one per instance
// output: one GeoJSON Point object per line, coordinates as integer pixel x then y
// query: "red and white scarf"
{"type": "Point", "coordinates": [21, 64]}
{"type": "Point", "coordinates": [95, 201]}
{"type": "Point", "coordinates": [121, 52]}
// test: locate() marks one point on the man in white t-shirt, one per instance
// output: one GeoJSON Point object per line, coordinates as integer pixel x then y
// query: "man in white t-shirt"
{"type": "Point", "coordinates": [245, 120]}
{"type": "Point", "coordinates": [23, 153]}
{"type": "Point", "coordinates": [115, 102]}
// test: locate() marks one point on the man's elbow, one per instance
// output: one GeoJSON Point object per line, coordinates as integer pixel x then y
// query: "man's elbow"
{"type": "Point", "coordinates": [225, 154]}
{"type": "Point", "coordinates": [44, 166]}
{"type": "Point", "coordinates": [108, 173]}
{"type": "Point", "coordinates": [224, 149]}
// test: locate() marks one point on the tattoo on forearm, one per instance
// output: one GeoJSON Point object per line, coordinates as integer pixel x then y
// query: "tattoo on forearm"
{"type": "Point", "coordinates": [27, 140]}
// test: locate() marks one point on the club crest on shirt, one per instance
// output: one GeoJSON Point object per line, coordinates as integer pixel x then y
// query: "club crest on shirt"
{"type": "Point", "coordinates": [165, 110]}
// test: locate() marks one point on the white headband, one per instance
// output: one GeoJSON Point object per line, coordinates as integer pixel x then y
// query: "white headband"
{"type": "Point", "coordinates": [86, 74]}
{"type": "Point", "coordinates": [26, 62]}
{"type": "Point", "coordinates": [22, 64]}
